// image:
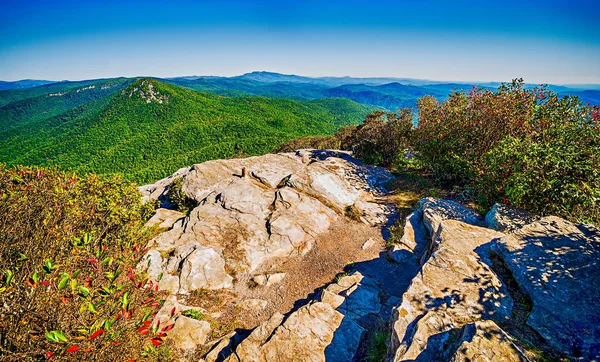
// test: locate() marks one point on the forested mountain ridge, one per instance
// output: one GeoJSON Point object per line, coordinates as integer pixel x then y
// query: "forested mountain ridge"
{"type": "Point", "coordinates": [147, 129]}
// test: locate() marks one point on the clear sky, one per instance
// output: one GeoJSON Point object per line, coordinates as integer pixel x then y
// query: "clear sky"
{"type": "Point", "coordinates": [546, 41]}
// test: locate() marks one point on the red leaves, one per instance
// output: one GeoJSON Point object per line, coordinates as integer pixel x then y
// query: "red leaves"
{"type": "Point", "coordinates": [156, 341]}
{"type": "Point", "coordinates": [172, 312]}
{"type": "Point", "coordinates": [49, 355]}
{"type": "Point", "coordinates": [97, 333]}
{"type": "Point", "coordinates": [64, 300]}
{"type": "Point", "coordinates": [72, 349]}
{"type": "Point", "coordinates": [168, 328]}
{"type": "Point", "coordinates": [45, 283]}
{"type": "Point", "coordinates": [143, 330]}
{"type": "Point", "coordinates": [127, 314]}
{"type": "Point", "coordinates": [93, 261]}
{"type": "Point", "coordinates": [87, 283]}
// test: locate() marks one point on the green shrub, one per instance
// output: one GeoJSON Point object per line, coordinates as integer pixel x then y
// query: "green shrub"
{"type": "Point", "coordinates": [72, 244]}
{"type": "Point", "coordinates": [382, 138]}
{"type": "Point", "coordinates": [554, 170]}
{"type": "Point", "coordinates": [524, 147]}
{"type": "Point", "coordinates": [452, 137]}
{"type": "Point", "coordinates": [179, 198]}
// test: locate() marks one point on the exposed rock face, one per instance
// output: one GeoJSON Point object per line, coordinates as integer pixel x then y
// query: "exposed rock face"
{"type": "Point", "coordinates": [504, 218]}
{"type": "Point", "coordinates": [275, 211]}
{"type": "Point", "coordinates": [165, 218]}
{"type": "Point", "coordinates": [483, 341]}
{"type": "Point", "coordinates": [439, 293]}
{"type": "Point", "coordinates": [189, 333]}
{"type": "Point", "coordinates": [557, 263]}
{"type": "Point", "coordinates": [303, 336]}
{"type": "Point", "coordinates": [186, 333]}
{"type": "Point", "coordinates": [325, 329]}
{"type": "Point", "coordinates": [435, 211]}
{"type": "Point", "coordinates": [455, 287]}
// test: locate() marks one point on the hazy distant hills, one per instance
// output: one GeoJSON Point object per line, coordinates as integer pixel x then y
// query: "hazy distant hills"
{"type": "Point", "coordinates": [386, 93]}
{"type": "Point", "coordinates": [25, 83]}
{"type": "Point", "coordinates": [147, 129]}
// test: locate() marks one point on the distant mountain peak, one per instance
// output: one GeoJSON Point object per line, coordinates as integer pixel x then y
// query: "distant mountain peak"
{"type": "Point", "coordinates": [147, 89]}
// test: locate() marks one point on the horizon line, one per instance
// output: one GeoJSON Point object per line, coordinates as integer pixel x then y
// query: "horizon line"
{"type": "Point", "coordinates": [444, 81]}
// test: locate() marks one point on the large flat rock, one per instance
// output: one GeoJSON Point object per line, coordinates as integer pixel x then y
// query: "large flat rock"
{"type": "Point", "coordinates": [557, 263]}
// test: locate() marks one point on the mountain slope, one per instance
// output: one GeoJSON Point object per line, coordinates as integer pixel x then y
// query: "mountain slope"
{"type": "Point", "coordinates": [150, 129]}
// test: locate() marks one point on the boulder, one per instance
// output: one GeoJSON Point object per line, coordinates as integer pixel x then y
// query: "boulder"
{"type": "Point", "coordinates": [203, 268]}
{"type": "Point", "coordinates": [504, 218]}
{"type": "Point", "coordinates": [328, 328]}
{"type": "Point", "coordinates": [414, 239]}
{"type": "Point", "coordinates": [483, 341]}
{"type": "Point", "coordinates": [189, 333]}
{"type": "Point", "coordinates": [435, 211]}
{"type": "Point", "coordinates": [557, 263]}
{"type": "Point", "coordinates": [164, 218]}
{"type": "Point", "coordinates": [303, 336]}
{"type": "Point", "coordinates": [267, 280]}
{"type": "Point", "coordinates": [455, 287]}
{"type": "Point", "coordinates": [367, 244]}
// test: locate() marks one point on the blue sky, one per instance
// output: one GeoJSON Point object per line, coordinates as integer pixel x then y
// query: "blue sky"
{"type": "Point", "coordinates": [542, 41]}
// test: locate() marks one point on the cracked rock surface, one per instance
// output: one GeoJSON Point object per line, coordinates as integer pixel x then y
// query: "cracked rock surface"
{"type": "Point", "coordinates": [252, 210]}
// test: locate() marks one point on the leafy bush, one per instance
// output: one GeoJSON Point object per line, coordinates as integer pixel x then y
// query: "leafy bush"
{"type": "Point", "coordinates": [553, 170]}
{"type": "Point", "coordinates": [452, 137]}
{"type": "Point", "coordinates": [178, 197]}
{"type": "Point", "coordinates": [381, 141]}
{"type": "Point", "coordinates": [524, 147]}
{"type": "Point", "coordinates": [70, 245]}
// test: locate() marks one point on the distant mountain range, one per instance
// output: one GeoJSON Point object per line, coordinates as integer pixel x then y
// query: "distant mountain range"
{"type": "Point", "coordinates": [387, 93]}
{"type": "Point", "coordinates": [25, 83]}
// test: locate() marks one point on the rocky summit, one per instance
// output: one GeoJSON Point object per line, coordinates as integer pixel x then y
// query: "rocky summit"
{"type": "Point", "coordinates": [283, 257]}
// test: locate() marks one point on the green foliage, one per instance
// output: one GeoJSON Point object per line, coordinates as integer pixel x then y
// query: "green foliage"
{"type": "Point", "coordinates": [71, 245]}
{"type": "Point", "coordinates": [378, 141]}
{"type": "Point", "coordinates": [452, 137]}
{"type": "Point", "coordinates": [528, 148]}
{"type": "Point", "coordinates": [554, 170]}
{"type": "Point", "coordinates": [178, 197]}
{"type": "Point", "coordinates": [194, 314]}
{"type": "Point", "coordinates": [129, 132]}
{"type": "Point", "coordinates": [377, 350]}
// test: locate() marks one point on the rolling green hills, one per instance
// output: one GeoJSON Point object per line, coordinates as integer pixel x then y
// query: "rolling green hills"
{"type": "Point", "coordinates": [147, 129]}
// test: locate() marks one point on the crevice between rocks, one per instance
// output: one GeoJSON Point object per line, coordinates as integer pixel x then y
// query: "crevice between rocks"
{"type": "Point", "coordinates": [524, 336]}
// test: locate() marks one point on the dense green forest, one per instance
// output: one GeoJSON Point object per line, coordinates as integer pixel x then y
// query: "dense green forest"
{"type": "Point", "coordinates": [146, 129]}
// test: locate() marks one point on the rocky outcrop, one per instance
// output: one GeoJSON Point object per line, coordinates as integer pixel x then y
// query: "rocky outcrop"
{"type": "Point", "coordinates": [454, 287]}
{"type": "Point", "coordinates": [442, 288]}
{"type": "Point", "coordinates": [435, 211]}
{"type": "Point", "coordinates": [253, 210]}
{"type": "Point", "coordinates": [326, 329]}
{"type": "Point", "coordinates": [483, 341]}
{"type": "Point", "coordinates": [186, 333]}
{"type": "Point", "coordinates": [557, 263]}
{"type": "Point", "coordinates": [503, 218]}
